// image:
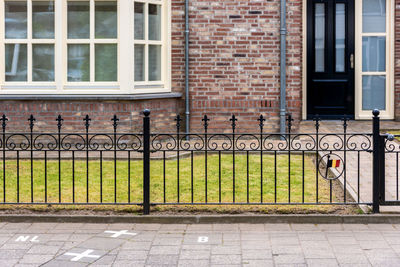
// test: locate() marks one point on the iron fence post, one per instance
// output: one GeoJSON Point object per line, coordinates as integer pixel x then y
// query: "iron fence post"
{"type": "Point", "coordinates": [376, 163]}
{"type": "Point", "coordinates": [146, 162]}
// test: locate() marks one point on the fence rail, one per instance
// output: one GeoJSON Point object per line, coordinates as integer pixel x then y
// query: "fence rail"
{"type": "Point", "coordinates": [212, 168]}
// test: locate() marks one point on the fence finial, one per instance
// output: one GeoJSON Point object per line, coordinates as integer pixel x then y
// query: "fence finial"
{"type": "Point", "coordinates": [4, 120]}
{"type": "Point", "coordinates": [31, 121]}
{"type": "Point", "coordinates": [178, 122]}
{"type": "Point", "coordinates": [289, 120]}
{"type": "Point", "coordinates": [146, 112]}
{"type": "Point", "coordinates": [87, 121]}
{"type": "Point", "coordinates": [115, 121]}
{"type": "Point", "coordinates": [59, 122]}
{"type": "Point", "coordinates": [376, 112]}
{"type": "Point", "coordinates": [261, 119]}
{"type": "Point", "coordinates": [205, 120]}
{"type": "Point", "coordinates": [233, 120]}
{"type": "Point", "coordinates": [317, 120]}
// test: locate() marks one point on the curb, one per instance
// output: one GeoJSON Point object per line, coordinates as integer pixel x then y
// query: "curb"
{"type": "Point", "coordinates": [207, 219]}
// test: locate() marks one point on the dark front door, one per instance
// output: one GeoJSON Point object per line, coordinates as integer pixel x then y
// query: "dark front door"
{"type": "Point", "coordinates": [330, 58]}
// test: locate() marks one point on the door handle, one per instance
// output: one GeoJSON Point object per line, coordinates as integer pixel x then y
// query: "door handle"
{"type": "Point", "coordinates": [352, 61]}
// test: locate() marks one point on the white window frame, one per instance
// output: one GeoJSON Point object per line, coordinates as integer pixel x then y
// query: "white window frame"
{"type": "Point", "coordinates": [125, 41]}
{"type": "Point", "coordinates": [388, 113]}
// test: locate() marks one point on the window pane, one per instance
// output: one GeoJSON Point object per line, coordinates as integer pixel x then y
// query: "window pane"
{"type": "Point", "coordinates": [319, 37]}
{"type": "Point", "coordinates": [139, 62]}
{"type": "Point", "coordinates": [139, 21]}
{"type": "Point", "coordinates": [106, 19]}
{"type": "Point", "coordinates": [78, 63]}
{"type": "Point", "coordinates": [154, 62]}
{"type": "Point", "coordinates": [106, 59]}
{"type": "Point", "coordinates": [43, 62]}
{"type": "Point", "coordinates": [15, 61]}
{"type": "Point", "coordinates": [15, 20]}
{"type": "Point", "coordinates": [374, 91]}
{"type": "Point", "coordinates": [78, 20]}
{"type": "Point", "coordinates": [374, 16]}
{"type": "Point", "coordinates": [374, 53]}
{"type": "Point", "coordinates": [154, 22]}
{"type": "Point", "coordinates": [340, 37]}
{"type": "Point", "coordinates": [43, 19]}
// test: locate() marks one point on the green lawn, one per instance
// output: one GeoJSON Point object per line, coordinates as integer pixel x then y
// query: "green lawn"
{"type": "Point", "coordinates": [157, 169]}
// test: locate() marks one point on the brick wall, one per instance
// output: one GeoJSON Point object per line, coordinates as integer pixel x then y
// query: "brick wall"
{"type": "Point", "coordinates": [235, 61]}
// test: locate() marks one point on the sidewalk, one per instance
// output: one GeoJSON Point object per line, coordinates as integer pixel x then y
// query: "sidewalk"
{"type": "Point", "coordinates": [67, 244]}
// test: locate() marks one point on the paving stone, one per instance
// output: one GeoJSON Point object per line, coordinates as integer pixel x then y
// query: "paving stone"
{"type": "Point", "coordinates": [133, 263]}
{"type": "Point", "coordinates": [256, 254]}
{"type": "Point", "coordinates": [226, 259]}
{"type": "Point", "coordinates": [62, 263]}
{"type": "Point", "coordinates": [7, 254]}
{"type": "Point", "coordinates": [195, 254]}
{"type": "Point", "coordinates": [225, 250]}
{"type": "Point", "coordinates": [257, 263]}
{"type": "Point", "coordinates": [322, 262]}
{"type": "Point", "coordinates": [132, 255]}
{"type": "Point", "coordinates": [289, 259]}
{"type": "Point", "coordinates": [105, 261]}
{"type": "Point", "coordinates": [190, 263]}
{"type": "Point", "coordinates": [165, 250]}
{"type": "Point", "coordinates": [154, 260]}
{"type": "Point", "coordinates": [43, 249]}
{"type": "Point", "coordinates": [135, 245]}
{"type": "Point", "coordinates": [352, 258]}
{"type": "Point", "coordinates": [36, 258]}
{"type": "Point", "coordinates": [101, 243]}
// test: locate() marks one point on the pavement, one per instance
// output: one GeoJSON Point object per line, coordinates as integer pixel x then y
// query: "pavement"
{"type": "Point", "coordinates": [83, 244]}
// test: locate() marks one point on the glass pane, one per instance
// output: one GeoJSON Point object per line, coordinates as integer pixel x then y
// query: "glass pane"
{"type": "Point", "coordinates": [154, 62]}
{"type": "Point", "coordinates": [78, 20]}
{"type": "Point", "coordinates": [43, 19]}
{"type": "Point", "coordinates": [43, 62]}
{"type": "Point", "coordinates": [139, 21]}
{"type": "Point", "coordinates": [139, 62]}
{"type": "Point", "coordinates": [340, 37]}
{"type": "Point", "coordinates": [374, 16]}
{"type": "Point", "coordinates": [374, 91]}
{"type": "Point", "coordinates": [154, 22]}
{"type": "Point", "coordinates": [319, 37]}
{"type": "Point", "coordinates": [16, 66]}
{"type": "Point", "coordinates": [15, 20]}
{"type": "Point", "coordinates": [374, 53]}
{"type": "Point", "coordinates": [106, 58]}
{"type": "Point", "coordinates": [78, 63]}
{"type": "Point", "coordinates": [106, 19]}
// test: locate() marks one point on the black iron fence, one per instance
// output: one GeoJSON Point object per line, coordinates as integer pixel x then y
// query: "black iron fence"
{"type": "Point", "coordinates": [202, 168]}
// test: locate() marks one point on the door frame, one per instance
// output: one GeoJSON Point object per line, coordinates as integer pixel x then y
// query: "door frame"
{"type": "Point", "coordinates": [359, 114]}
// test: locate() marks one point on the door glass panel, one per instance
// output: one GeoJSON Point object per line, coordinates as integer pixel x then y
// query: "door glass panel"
{"type": "Point", "coordinates": [78, 20]}
{"type": "Point", "coordinates": [374, 53]}
{"type": "Point", "coordinates": [43, 62]}
{"type": "Point", "coordinates": [374, 16]}
{"type": "Point", "coordinates": [43, 19]}
{"type": "Point", "coordinates": [16, 62]}
{"type": "Point", "coordinates": [139, 62]}
{"type": "Point", "coordinates": [106, 62]}
{"type": "Point", "coordinates": [340, 37]}
{"type": "Point", "coordinates": [154, 22]}
{"type": "Point", "coordinates": [139, 21]}
{"type": "Point", "coordinates": [374, 92]}
{"type": "Point", "coordinates": [319, 37]}
{"type": "Point", "coordinates": [15, 19]}
{"type": "Point", "coordinates": [106, 19]}
{"type": "Point", "coordinates": [154, 62]}
{"type": "Point", "coordinates": [78, 63]}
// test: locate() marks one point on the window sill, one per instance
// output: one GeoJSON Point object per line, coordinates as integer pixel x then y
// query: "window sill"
{"type": "Point", "coordinates": [84, 97]}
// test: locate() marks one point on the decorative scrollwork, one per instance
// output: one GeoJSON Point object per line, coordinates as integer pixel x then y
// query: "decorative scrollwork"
{"type": "Point", "coordinates": [12, 142]}
{"type": "Point", "coordinates": [391, 145]}
{"type": "Point", "coordinates": [80, 144]}
{"type": "Point", "coordinates": [191, 142]}
{"type": "Point", "coordinates": [275, 142]}
{"type": "Point", "coordinates": [164, 142]}
{"type": "Point", "coordinates": [129, 141]}
{"type": "Point", "coordinates": [300, 142]}
{"type": "Point", "coordinates": [359, 142]}
{"type": "Point", "coordinates": [50, 142]}
{"type": "Point", "coordinates": [331, 142]}
{"type": "Point", "coordinates": [107, 142]}
{"type": "Point", "coordinates": [247, 142]}
{"type": "Point", "coordinates": [220, 142]}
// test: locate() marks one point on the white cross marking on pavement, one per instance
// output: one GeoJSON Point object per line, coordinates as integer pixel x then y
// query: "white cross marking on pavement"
{"type": "Point", "coordinates": [119, 233]}
{"type": "Point", "coordinates": [85, 254]}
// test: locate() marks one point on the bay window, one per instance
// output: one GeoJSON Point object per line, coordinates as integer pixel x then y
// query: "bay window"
{"type": "Point", "coordinates": [84, 46]}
